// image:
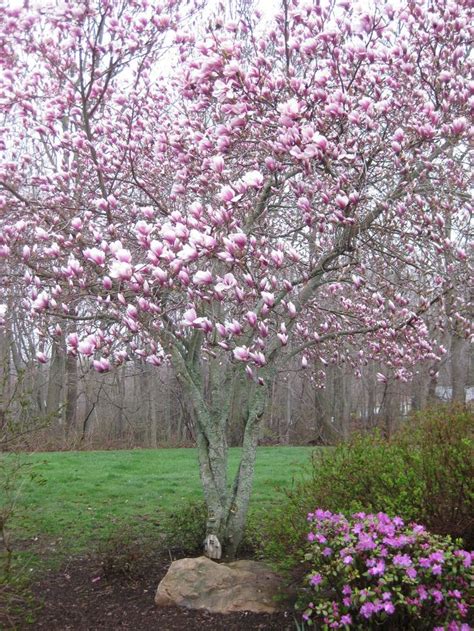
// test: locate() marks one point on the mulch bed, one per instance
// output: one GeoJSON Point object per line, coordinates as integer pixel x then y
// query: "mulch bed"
{"type": "Point", "coordinates": [79, 597]}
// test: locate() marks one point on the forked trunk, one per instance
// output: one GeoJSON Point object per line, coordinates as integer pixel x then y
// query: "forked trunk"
{"type": "Point", "coordinates": [227, 504]}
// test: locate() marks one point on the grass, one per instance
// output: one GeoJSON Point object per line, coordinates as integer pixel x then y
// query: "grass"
{"type": "Point", "coordinates": [116, 505]}
{"type": "Point", "coordinates": [77, 498]}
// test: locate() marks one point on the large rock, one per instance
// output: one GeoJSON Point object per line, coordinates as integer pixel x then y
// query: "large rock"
{"type": "Point", "coordinates": [220, 587]}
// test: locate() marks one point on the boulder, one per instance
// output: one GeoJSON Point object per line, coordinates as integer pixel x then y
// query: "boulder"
{"type": "Point", "coordinates": [220, 587]}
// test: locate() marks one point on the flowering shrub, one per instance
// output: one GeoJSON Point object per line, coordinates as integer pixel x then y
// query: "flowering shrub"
{"type": "Point", "coordinates": [372, 571]}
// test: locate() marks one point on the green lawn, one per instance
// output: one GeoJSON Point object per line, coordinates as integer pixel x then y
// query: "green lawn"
{"type": "Point", "coordinates": [80, 497]}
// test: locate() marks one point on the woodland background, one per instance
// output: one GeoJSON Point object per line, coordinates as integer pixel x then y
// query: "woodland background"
{"type": "Point", "coordinates": [69, 405]}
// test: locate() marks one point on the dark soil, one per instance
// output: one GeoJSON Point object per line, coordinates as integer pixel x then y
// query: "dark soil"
{"type": "Point", "coordinates": [81, 597]}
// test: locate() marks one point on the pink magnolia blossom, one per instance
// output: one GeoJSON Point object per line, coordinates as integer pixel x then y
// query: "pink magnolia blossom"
{"type": "Point", "coordinates": [41, 357]}
{"type": "Point", "coordinates": [86, 347]}
{"type": "Point", "coordinates": [459, 125]}
{"type": "Point", "coordinates": [95, 255]}
{"type": "Point", "coordinates": [189, 317]}
{"type": "Point", "coordinates": [123, 255]}
{"type": "Point", "coordinates": [268, 298]}
{"type": "Point", "coordinates": [342, 201]}
{"type": "Point", "coordinates": [253, 179]}
{"type": "Point", "coordinates": [217, 164]}
{"type": "Point", "coordinates": [320, 142]}
{"type": "Point", "coordinates": [204, 324]}
{"type": "Point", "coordinates": [101, 365]}
{"type": "Point", "coordinates": [234, 327]}
{"type": "Point", "coordinates": [290, 108]}
{"type": "Point", "coordinates": [188, 253]}
{"type": "Point", "coordinates": [258, 358]}
{"type": "Point", "coordinates": [227, 194]}
{"type": "Point", "coordinates": [41, 302]}
{"type": "Point", "coordinates": [121, 270]}
{"type": "Point", "coordinates": [239, 238]}
{"type": "Point", "coordinates": [251, 318]}
{"type": "Point", "coordinates": [72, 340]}
{"type": "Point", "coordinates": [241, 353]}
{"type": "Point", "coordinates": [202, 278]}
{"type": "Point", "coordinates": [76, 223]}
{"type": "Point", "coordinates": [156, 247]}
{"type": "Point", "coordinates": [277, 257]}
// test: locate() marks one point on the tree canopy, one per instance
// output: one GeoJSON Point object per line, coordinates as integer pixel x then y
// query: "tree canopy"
{"type": "Point", "coordinates": [228, 194]}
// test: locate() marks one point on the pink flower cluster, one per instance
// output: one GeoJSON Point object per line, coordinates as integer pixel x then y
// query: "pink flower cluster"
{"type": "Point", "coordinates": [245, 199]}
{"type": "Point", "coordinates": [373, 569]}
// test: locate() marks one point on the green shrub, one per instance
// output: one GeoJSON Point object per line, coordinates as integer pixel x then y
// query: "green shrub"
{"type": "Point", "coordinates": [184, 531]}
{"type": "Point", "coordinates": [253, 541]}
{"type": "Point", "coordinates": [424, 474]}
{"type": "Point", "coordinates": [438, 444]}
{"type": "Point", "coordinates": [125, 553]}
{"type": "Point", "coordinates": [364, 474]}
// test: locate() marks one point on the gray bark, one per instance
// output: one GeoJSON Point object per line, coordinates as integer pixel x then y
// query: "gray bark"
{"type": "Point", "coordinates": [71, 394]}
{"type": "Point", "coordinates": [55, 383]}
{"type": "Point", "coordinates": [420, 389]}
{"type": "Point", "coordinates": [150, 390]}
{"type": "Point", "coordinates": [227, 507]}
{"type": "Point", "coordinates": [458, 368]}
{"type": "Point", "coordinates": [5, 380]}
{"type": "Point", "coordinates": [390, 408]}
{"type": "Point", "coordinates": [119, 377]}
{"type": "Point", "coordinates": [236, 421]}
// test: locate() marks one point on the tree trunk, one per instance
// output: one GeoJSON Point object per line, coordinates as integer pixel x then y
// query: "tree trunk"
{"type": "Point", "coordinates": [433, 382]}
{"type": "Point", "coordinates": [55, 383]}
{"type": "Point", "coordinates": [5, 379]}
{"type": "Point", "coordinates": [326, 428]}
{"type": "Point", "coordinates": [236, 421]}
{"type": "Point", "coordinates": [420, 389]}
{"type": "Point", "coordinates": [390, 408]}
{"type": "Point", "coordinates": [238, 504]}
{"type": "Point", "coordinates": [226, 507]}
{"type": "Point", "coordinates": [120, 377]}
{"type": "Point", "coordinates": [458, 368]}
{"type": "Point", "coordinates": [148, 388]}
{"type": "Point", "coordinates": [288, 415]}
{"type": "Point", "coordinates": [371, 398]}
{"type": "Point", "coordinates": [71, 394]}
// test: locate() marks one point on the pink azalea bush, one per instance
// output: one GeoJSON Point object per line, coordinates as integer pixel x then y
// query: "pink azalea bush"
{"type": "Point", "coordinates": [373, 571]}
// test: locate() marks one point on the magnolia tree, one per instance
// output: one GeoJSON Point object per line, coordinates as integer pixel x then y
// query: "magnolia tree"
{"type": "Point", "coordinates": [293, 185]}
